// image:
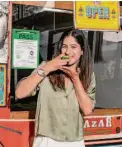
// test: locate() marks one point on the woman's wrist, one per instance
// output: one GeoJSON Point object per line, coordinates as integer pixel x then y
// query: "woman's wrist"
{"type": "Point", "coordinates": [45, 69]}
{"type": "Point", "coordinates": [36, 77]}
{"type": "Point", "coordinates": [76, 79]}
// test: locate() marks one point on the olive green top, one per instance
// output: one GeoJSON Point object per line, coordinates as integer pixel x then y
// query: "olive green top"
{"type": "Point", "coordinates": [58, 115]}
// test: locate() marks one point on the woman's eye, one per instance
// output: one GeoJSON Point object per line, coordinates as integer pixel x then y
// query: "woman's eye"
{"type": "Point", "coordinates": [63, 46]}
{"type": "Point", "coordinates": [73, 47]}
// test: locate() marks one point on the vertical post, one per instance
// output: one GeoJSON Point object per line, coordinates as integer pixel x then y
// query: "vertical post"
{"type": "Point", "coordinates": [15, 80]}
{"type": "Point", "coordinates": [94, 46]}
{"type": "Point", "coordinates": [9, 51]}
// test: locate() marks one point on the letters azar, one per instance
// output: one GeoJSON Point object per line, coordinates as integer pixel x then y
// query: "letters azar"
{"type": "Point", "coordinates": [99, 123]}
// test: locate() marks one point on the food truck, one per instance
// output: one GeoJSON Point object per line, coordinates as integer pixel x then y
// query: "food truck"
{"type": "Point", "coordinates": [30, 31]}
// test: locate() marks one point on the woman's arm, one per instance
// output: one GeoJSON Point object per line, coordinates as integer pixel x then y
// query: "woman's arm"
{"type": "Point", "coordinates": [86, 99]}
{"type": "Point", "coordinates": [26, 86]}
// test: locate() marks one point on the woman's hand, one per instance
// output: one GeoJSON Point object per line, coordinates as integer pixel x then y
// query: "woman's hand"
{"type": "Point", "coordinates": [71, 72]}
{"type": "Point", "coordinates": [55, 64]}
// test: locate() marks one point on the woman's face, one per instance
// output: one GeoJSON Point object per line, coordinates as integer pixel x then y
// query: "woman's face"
{"type": "Point", "coordinates": [71, 48]}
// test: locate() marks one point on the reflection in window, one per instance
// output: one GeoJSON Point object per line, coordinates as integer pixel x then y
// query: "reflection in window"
{"type": "Point", "coordinates": [108, 70]}
{"type": "Point", "coordinates": [98, 57]}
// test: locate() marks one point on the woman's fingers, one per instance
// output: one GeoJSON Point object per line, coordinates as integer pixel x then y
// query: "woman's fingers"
{"type": "Point", "coordinates": [78, 70]}
{"type": "Point", "coordinates": [66, 70]}
{"type": "Point", "coordinates": [64, 62]}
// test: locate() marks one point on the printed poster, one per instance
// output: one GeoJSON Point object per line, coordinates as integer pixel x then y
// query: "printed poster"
{"type": "Point", "coordinates": [3, 31]}
{"type": "Point", "coordinates": [25, 49]}
{"type": "Point", "coordinates": [97, 15]}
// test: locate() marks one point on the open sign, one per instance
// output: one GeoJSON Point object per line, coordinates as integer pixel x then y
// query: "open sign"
{"type": "Point", "coordinates": [93, 11]}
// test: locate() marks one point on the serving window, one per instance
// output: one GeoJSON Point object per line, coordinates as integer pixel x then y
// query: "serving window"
{"type": "Point", "coordinates": [51, 23]}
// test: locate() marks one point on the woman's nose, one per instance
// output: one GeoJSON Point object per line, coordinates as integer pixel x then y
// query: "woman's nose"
{"type": "Point", "coordinates": [68, 51]}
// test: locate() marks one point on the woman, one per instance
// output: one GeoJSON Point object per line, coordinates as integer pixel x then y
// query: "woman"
{"type": "Point", "coordinates": [67, 92]}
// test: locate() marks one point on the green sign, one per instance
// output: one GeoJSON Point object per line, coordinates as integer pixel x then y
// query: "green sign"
{"type": "Point", "coordinates": [25, 48]}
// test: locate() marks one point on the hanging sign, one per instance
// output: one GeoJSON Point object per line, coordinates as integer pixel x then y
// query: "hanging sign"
{"type": "Point", "coordinates": [2, 84]}
{"type": "Point", "coordinates": [97, 15]}
{"type": "Point", "coordinates": [102, 127]}
{"type": "Point", "coordinates": [25, 48]}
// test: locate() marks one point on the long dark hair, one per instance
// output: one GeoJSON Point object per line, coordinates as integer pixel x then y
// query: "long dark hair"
{"type": "Point", "coordinates": [85, 64]}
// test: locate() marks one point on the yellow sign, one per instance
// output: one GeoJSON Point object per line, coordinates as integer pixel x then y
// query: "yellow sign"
{"type": "Point", "coordinates": [97, 15]}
